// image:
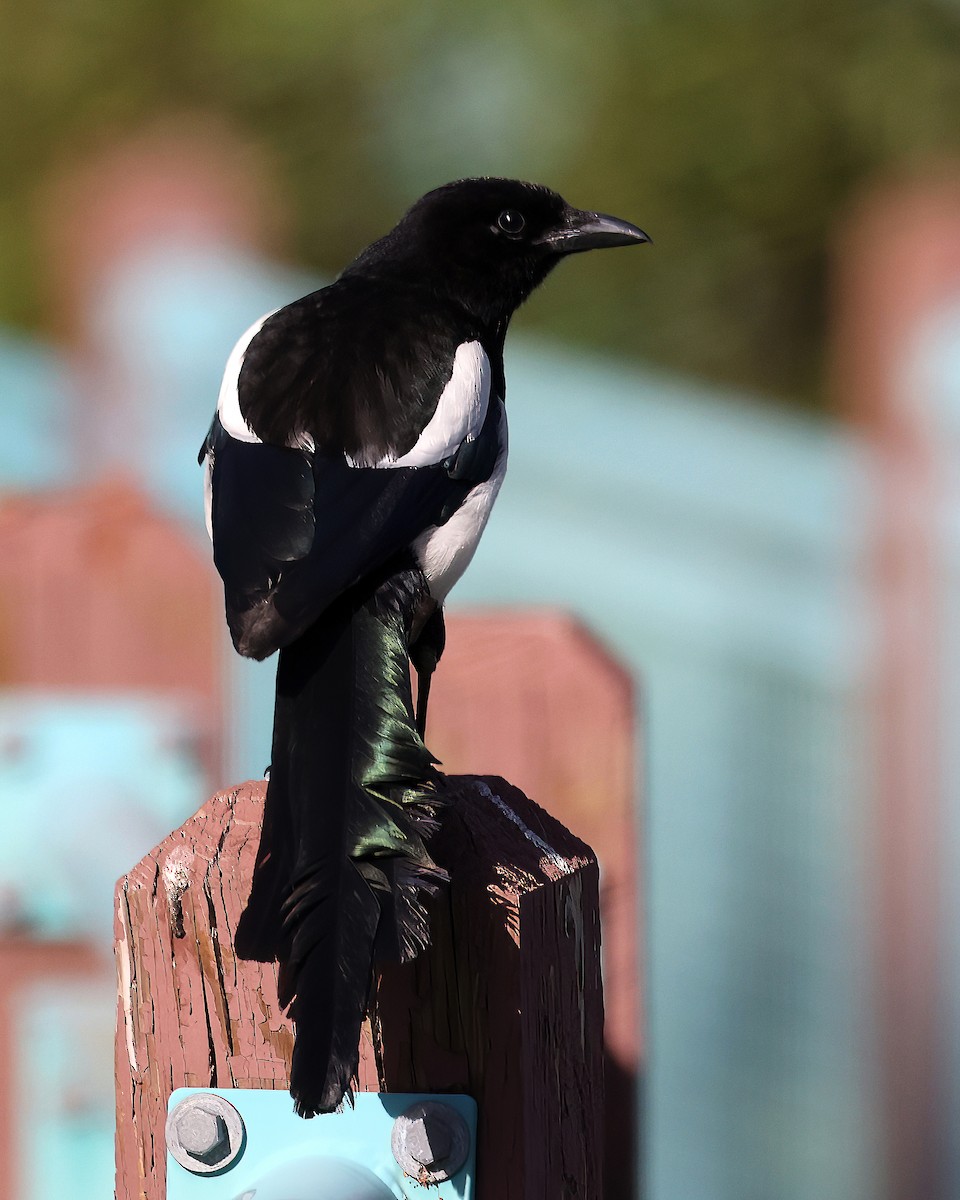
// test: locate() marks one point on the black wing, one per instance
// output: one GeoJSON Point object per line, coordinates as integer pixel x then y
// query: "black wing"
{"type": "Point", "coordinates": [356, 367]}
{"type": "Point", "coordinates": [317, 394]}
{"type": "Point", "coordinates": [292, 530]}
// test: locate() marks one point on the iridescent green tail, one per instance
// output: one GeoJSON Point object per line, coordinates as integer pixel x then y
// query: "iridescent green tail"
{"type": "Point", "coordinates": [343, 871]}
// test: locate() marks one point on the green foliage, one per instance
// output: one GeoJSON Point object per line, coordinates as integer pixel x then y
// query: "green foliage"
{"type": "Point", "coordinates": [735, 133]}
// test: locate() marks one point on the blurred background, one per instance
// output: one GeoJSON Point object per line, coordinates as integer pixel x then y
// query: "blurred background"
{"type": "Point", "coordinates": [735, 456]}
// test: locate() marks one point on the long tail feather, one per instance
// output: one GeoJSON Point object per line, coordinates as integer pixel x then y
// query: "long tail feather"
{"type": "Point", "coordinates": [343, 869]}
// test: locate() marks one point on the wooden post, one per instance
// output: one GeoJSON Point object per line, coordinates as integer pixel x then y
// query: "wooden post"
{"type": "Point", "coordinates": [534, 696]}
{"type": "Point", "coordinates": [506, 1006]}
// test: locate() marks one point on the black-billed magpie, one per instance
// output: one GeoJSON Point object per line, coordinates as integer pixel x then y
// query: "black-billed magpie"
{"type": "Point", "coordinates": [359, 444]}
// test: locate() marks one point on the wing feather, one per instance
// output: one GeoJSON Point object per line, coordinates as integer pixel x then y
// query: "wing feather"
{"type": "Point", "coordinates": [228, 402]}
{"type": "Point", "coordinates": [460, 412]}
{"type": "Point", "coordinates": [328, 458]}
{"type": "Point", "coordinates": [292, 531]}
{"type": "Point", "coordinates": [358, 370]}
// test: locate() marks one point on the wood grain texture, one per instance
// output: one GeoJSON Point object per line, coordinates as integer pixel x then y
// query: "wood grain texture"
{"type": "Point", "coordinates": [189, 1014]}
{"type": "Point", "coordinates": [533, 696]}
{"type": "Point", "coordinates": [506, 1006]}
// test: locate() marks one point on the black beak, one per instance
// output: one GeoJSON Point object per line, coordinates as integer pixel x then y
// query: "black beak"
{"type": "Point", "coordinates": [592, 231]}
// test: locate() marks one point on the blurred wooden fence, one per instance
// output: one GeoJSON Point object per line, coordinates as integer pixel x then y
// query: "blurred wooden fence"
{"type": "Point", "coordinates": [897, 370]}
{"type": "Point", "coordinates": [98, 591]}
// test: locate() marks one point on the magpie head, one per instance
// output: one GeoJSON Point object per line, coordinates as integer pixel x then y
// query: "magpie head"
{"type": "Point", "coordinates": [489, 242]}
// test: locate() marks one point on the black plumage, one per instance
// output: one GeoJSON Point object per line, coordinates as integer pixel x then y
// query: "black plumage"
{"type": "Point", "coordinates": [358, 446]}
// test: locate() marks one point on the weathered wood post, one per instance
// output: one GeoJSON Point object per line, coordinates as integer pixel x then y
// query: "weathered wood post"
{"type": "Point", "coordinates": [507, 1005]}
{"type": "Point", "coordinates": [534, 696]}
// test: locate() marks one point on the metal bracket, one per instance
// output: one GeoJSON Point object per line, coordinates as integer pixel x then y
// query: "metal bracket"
{"type": "Point", "coordinates": [248, 1144]}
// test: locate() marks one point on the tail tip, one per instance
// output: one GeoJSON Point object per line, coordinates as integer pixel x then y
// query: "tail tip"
{"type": "Point", "coordinates": [307, 1104]}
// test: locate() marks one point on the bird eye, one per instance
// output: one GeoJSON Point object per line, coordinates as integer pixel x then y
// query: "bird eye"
{"type": "Point", "coordinates": [511, 222]}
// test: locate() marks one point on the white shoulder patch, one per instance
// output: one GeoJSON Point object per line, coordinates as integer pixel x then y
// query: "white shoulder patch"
{"type": "Point", "coordinates": [228, 402]}
{"type": "Point", "coordinates": [208, 492]}
{"type": "Point", "coordinates": [460, 412]}
{"type": "Point", "coordinates": [444, 551]}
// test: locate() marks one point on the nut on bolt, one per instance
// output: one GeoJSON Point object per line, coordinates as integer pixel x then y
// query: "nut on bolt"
{"type": "Point", "coordinates": [205, 1133]}
{"type": "Point", "coordinates": [430, 1141]}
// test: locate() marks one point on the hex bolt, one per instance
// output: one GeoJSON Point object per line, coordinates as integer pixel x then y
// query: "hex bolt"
{"type": "Point", "coordinates": [205, 1133]}
{"type": "Point", "coordinates": [430, 1141]}
{"type": "Point", "coordinates": [204, 1136]}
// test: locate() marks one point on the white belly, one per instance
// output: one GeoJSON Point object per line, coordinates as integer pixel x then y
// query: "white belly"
{"type": "Point", "coordinates": [444, 551]}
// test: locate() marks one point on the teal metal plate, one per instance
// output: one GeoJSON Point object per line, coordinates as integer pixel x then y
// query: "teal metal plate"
{"type": "Point", "coordinates": [338, 1156]}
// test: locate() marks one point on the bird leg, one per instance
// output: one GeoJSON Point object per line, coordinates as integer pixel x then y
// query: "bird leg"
{"type": "Point", "coordinates": [425, 652]}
